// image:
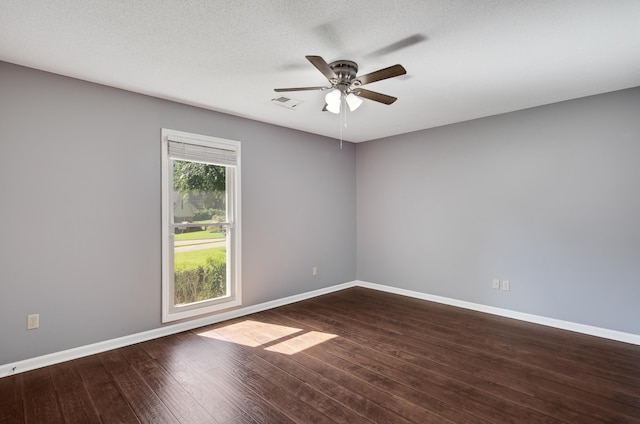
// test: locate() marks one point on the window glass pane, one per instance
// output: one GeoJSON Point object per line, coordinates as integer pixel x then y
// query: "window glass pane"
{"type": "Point", "coordinates": [200, 264]}
{"type": "Point", "coordinates": [198, 192]}
{"type": "Point", "coordinates": [199, 251]}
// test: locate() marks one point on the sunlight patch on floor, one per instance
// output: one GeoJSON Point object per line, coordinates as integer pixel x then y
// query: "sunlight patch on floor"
{"type": "Point", "coordinates": [302, 342]}
{"type": "Point", "coordinates": [273, 337]}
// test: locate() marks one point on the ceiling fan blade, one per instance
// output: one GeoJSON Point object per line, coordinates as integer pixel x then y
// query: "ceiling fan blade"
{"type": "Point", "coordinates": [279, 90]}
{"type": "Point", "coordinates": [375, 96]}
{"type": "Point", "coordinates": [390, 72]}
{"type": "Point", "coordinates": [323, 67]}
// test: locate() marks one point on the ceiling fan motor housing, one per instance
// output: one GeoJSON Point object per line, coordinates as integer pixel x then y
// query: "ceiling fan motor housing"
{"type": "Point", "coordinates": [346, 71]}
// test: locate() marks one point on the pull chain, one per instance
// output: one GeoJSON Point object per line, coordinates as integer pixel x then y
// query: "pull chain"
{"type": "Point", "coordinates": [343, 113]}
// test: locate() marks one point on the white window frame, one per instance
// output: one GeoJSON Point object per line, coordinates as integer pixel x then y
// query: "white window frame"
{"type": "Point", "coordinates": [171, 312]}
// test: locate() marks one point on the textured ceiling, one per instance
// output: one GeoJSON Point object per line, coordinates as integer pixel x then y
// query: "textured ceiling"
{"type": "Point", "coordinates": [465, 59]}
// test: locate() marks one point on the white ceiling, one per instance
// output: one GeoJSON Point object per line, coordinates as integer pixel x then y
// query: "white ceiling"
{"type": "Point", "coordinates": [465, 59]}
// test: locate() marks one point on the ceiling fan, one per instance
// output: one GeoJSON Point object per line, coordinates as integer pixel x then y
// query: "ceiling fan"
{"type": "Point", "coordinates": [346, 87]}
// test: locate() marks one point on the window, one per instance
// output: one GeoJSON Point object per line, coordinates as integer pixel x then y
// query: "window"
{"type": "Point", "coordinates": [200, 225]}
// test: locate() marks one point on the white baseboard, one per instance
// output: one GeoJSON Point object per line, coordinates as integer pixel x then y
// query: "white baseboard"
{"type": "Point", "coordinates": [82, 351]}
{"type": "Point", "coordinates": [535, 319]}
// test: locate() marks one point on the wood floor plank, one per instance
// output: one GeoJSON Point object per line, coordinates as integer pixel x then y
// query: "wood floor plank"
{"type": "Point", "coordinates": [75, 403]}
{"type": "Point", "coordinates": [263, 385]}
{"type": "Point", "coordinates": [181, 404]}
{"type": "Point", "coordinates": [11, 406]}
{"type": "Point", "coordinates": [189, 368]}
{"type": "Point", "coordinates": [296, 387]}
{"type": "Point", "coordinates": [241, 419]}
{"type": "Point", "coordinates": [221, 381]}
{"type": "Point", "coordinates": [110, 404]}
{"type": "Point", "coordinates": [144, 402]}
{"type": "Point", "coordinates": [352, 356]}
{"type": "Point", "coordinates": [380, 406]}
{"type": "Point", "coordinates": [348, 400]}
{"type": "Point", "coordinates": [40, 400]}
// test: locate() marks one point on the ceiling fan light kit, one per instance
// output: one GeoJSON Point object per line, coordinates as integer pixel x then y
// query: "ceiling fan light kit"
{"type": "Point", "coordinates": [345, 85]}
{"type": "Point", "coordinates": [353, 101]}
{"type": "Point", "coordinates": [335, 99]}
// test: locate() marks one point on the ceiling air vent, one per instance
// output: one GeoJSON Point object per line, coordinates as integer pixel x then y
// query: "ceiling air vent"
{"type": "Point", "coordinates": [286, 102]}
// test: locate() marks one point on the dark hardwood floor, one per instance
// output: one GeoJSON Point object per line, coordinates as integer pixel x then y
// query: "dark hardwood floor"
{"type": "Point", "coordinates": [354, 356]}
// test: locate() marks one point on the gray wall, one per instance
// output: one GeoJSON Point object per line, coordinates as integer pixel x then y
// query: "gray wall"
{"type": "Point", "coordinates": [80, 209]}
{"type": "Point", "coordinates": [548, 198]}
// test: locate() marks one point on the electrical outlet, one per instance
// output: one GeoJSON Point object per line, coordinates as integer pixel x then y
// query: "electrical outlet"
{"type": "Point", "coordinates": [506, 286]}
{"type": "Point", "coordinates": [314, 271]}
{"type": "Point", "coordinates": [33, 321]}
{"type": "Point", "coordinates": [496, 284]}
